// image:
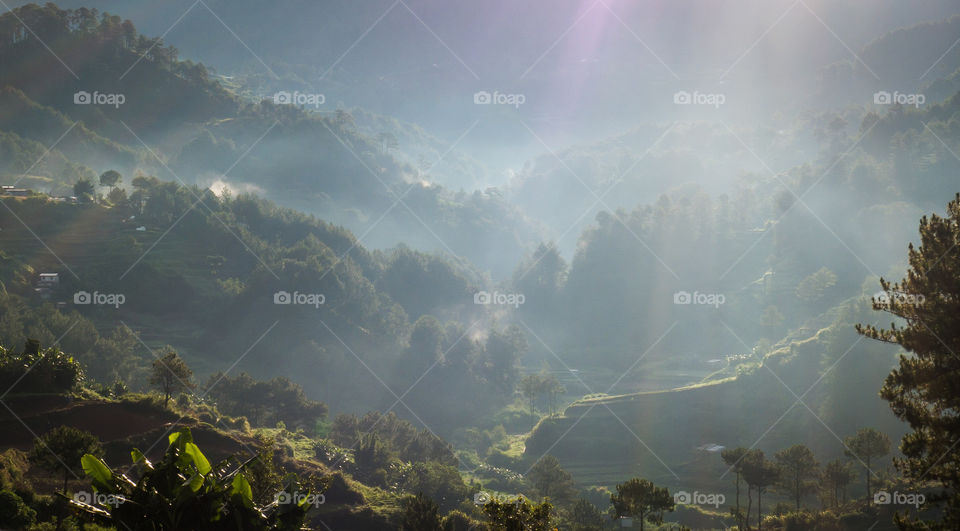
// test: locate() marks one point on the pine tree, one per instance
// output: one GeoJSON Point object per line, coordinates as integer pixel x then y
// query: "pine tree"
{"type": "Point", "coordinates": [925, 389]}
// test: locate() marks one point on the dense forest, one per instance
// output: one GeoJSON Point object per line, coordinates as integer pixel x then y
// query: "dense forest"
{"type": "Point", "coordinates": [243, 289]}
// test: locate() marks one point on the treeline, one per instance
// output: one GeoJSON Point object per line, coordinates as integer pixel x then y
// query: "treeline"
{"type": "Point", "coordinates": [778, 262]}
{"type": "Point", "coordinates": [232, 256]}
{"type": "Point", "coordinates": [97, 49]}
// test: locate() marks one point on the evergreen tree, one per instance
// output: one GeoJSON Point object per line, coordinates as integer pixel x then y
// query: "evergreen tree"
{"type": "Point", "coordinates": [170, 374]}
{"type": "Point", "coordinates": [420, 514]}
{"type": "Point", "coordinates": [61, 449]}
{"type": "Point", "coordinates": [867, 445]}
{"type": "Point", "coordinates": [925, 389]}
{"type": "Point", "coordinates": [799, 471]}
{"type": "Point", "coordinates": [643, 500]}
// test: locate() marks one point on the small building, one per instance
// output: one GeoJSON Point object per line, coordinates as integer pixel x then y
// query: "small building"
{"type": "Point", "coordinates": [46, 284]}
{"type": "Point", "coordinates": [16, 192]}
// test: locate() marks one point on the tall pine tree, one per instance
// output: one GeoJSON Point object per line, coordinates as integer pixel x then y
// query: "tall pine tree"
{"type": "Point", "coordinates": [925, 389]}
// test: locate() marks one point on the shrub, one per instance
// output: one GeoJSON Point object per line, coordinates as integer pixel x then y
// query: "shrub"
{"type": "Point", "coordinates": [203, 502]}
{"type": "Point", "coordinates": [240, 424]}
{"type": "Point", "coordinates": [13, 466]}
{"type": "Point", "coordinates": [501, 479]}
{"type": "Point", "coordinates": [13, 512]}
{"type": "Point", "coordinates": [330, 454]}
{"type": "Point", "coordinates": [500, 459]}
{"type": "Point", "coordinates": [183, 400]}
{"type": "Point", "coordinates": [36, 371]}
{"type": "Point", "coordinates": [442, 483]}
{"type": "Point", "coordinates": [459, 521]}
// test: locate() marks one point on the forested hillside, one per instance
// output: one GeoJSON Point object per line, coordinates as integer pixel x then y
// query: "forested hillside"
{"type": "Point", "coordinates": [294, 266]}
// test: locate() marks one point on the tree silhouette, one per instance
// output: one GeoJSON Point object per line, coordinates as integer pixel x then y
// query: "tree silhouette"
{"type": "Point", "coordinates": [759, 473]}
{"type": "Point", "coordinates": [419, 514]}
{"type": "Point", "coordinates": [551, 480]}
{"type": "Point", "coordinates": [868, 444]}
{"type": "Point", "coordinates": [799, 471]}
{"type": "Point", "coordinates": [923, 390]}
{"type": "Point", "coordinates": [643, 500]}
{"type": "Point", "coordinates": [170, 374]}
{"type": "Point", "coordinates": [110, 178]}
{"type": "Point", "coordinates": [733, 457]}
{"type": "Point", "coordinates": [518, 515]}
{"type": "Point", "coordinates": [61, 449]}
{"type": "Point", "coordinates": [84, 189]}
{"type": "Point", "coordinates": [834, 479]}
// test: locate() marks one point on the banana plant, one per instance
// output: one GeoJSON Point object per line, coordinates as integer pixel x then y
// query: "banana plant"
{"type": "Point", "coordinates": [183, 491]}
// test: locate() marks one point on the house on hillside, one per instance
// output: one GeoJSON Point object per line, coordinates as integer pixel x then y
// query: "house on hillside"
{"type": "Point", "coordinates": [46, 284]}
{"type": "Point", "coordinates": [16, 192]}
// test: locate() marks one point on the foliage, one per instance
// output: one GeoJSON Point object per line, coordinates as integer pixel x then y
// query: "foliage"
{"type": "Point", "coordinates": [14, 513]}
{"type": "Point", "coordinates": [799, 471]}
{"type": "Point", "coordinates": [170, 374]}
{"type": "Point", "coordinates": [585, 516]}
{"type": "Point", "coordinates": [110, 178]}
{"type": "Point", "coordinates": [460, 521]}
{"type": "Point", "coordinates": [84, 190]}
{"type": "Point", "coordinates": [538, 385]}
{"type": "Point", "coordinates": [733, 458]}
{"type": "Point", "coordinates": [329, 453]}
{"type": "Point", "coordinates": [13, 467]}
{"type": "Point", "coordinates": [419, 514]}
{"type": "Point", "coordinates": [551, 481]}
{"type": "Point", "coordinates": [183, 491]}
{"type": "Point", "coordinates": [865, 446]}
{"type": "Point", "coordinates": [398, 436]}
{"type": "Point", "coordinates": [265, 403]}
{"type": "Point", "coordinates": [518, 515]}
{"type": "Point", "coordinates": [643, 500]}
{"type": "Point", "coordinates": [924, 389]}
{"type": "Point", "coordinates": [759, 473]}
{"type": "Point", "coordinates": [815, 286]}
{"type": "Point", "coordinates": [441, 483]}
{"type": "Point", "coordinates": [371, 460]}
{"type": "Point", "coordinates": [834, 478]}
{"type": "Point", "coordinates": [39, 371]}
{"type": "Point", "coordinates": [61, 449]}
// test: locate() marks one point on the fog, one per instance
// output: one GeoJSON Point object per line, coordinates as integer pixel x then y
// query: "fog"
{"type": "Point", "coordinates": [500, 255]}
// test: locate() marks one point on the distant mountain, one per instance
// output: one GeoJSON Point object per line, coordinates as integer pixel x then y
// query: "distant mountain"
{"type": "Point", "coordinates": [585, 69]}
{"type": "Point", "coordinates": [122, 101]}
